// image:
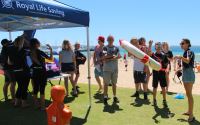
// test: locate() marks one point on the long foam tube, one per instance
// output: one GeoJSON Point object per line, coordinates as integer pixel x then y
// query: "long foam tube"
{"type": "Point", "coordinates": [140, 54]}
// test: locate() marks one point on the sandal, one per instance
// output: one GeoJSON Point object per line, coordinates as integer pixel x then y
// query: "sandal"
{"type": "Point", "coordinates": [191, 119]}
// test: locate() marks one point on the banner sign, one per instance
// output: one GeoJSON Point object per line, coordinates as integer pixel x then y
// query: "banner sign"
{"type": "Point", "coordinates": [44, 9]}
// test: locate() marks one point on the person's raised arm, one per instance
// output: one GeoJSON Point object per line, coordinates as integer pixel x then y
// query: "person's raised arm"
{"type": "Point", "coordinates": [51, 52]}
{"type": "Point", "coordinates": [149, 52]}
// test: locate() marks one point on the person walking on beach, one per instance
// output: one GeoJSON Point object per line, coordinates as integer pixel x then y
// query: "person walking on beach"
{"type": "Point", "coordinates": [110, 68]}
{"type": "Point", "coordinates": [125, 62]}
{"type": "Point", "coordinates": [188, 77]}
{"type": "Point", "coordinates": [80, 59]}
{"type": "Point", "coordinates": [160, 76]}
{"type": "Point", "coordinates": [39, 75]}
{"type": "Point", "coordinates": [138, 72]}
{"type": "Point", "coordinates": [98, 62]}
{"type": "Point", "coordinates": [67, 63]}
{"type": "Point", "coordinates": [9, 76]}
{"type": "Point", "coordinates": [169, 54]}
{"type": "Point", "coordinates": [17, 57]}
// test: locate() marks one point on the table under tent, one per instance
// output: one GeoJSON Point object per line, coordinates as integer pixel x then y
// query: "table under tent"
{"type": "Point", "coordinates": [21, 15]}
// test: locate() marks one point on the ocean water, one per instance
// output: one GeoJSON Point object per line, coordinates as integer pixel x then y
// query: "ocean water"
{"type": "Point", "coordinates": [175, 49]}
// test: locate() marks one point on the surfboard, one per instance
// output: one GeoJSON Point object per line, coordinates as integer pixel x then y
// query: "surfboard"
{"type": "Point", "coordinates": [140, 54]}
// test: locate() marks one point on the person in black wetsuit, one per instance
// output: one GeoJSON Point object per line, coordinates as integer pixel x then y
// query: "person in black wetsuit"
{"type": "Point", "coordinates": [188, 77]}
{"type": "Point", "coordinates": [17, 58]}
{"type": "Point", "coordinates": [159, 77]}
{"type": "Point", "coordinates": [39, 75]}
{"type": "Point", "coordinates": [80, 59]}
{"type": "Point", "coordinates": [169, 54]}
{"type": "Point", "coordinates": [9, 77]}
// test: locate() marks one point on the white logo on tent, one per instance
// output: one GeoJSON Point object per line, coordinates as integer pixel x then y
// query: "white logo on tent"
{"type": "Point", "coordinates": [7, 3]}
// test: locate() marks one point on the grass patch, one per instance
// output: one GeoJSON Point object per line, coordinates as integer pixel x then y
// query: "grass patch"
{"type": "Point", "coordinates": [127, 112]}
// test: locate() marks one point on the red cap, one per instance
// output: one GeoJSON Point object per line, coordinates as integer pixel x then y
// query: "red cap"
{"type": "Point", "coordinates": [101, 38]}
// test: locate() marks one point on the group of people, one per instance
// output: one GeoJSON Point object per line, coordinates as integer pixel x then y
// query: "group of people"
{"type": "Point", "coordinates": [23, 61]}
{"type": "Point", "coordinates": [106, 66]}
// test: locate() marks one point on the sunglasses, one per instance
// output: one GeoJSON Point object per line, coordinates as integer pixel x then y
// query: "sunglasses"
{"type": "Point", "coordinates": [182, 43]}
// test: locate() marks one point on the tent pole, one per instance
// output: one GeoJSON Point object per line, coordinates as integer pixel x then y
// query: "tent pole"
{"type": "Point", "coordinates": [88, 58]}
{"type": "Point", "coordinates": [10, 35]}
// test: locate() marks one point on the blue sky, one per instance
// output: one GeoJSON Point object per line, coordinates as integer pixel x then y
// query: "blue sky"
{"type": "Point", "coordinates": [160, 20]}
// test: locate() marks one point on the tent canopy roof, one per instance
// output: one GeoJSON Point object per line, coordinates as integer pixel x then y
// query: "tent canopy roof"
{"type": "Point", "coordinates": [19, 15]}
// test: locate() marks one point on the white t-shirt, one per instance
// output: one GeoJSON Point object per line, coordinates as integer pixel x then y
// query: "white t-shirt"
{"type": "Point", "coordinates": [137, 65]}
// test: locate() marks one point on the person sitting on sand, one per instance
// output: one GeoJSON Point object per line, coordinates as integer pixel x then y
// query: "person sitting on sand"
{"type": "Point", "coordinates": [110, 68]}
{"type": "Point", "coordinates": [98, 62]}
{"type": "Point", "coordinates": [138, 72]}
{"type": "Point", "coordinates": [160, 76]}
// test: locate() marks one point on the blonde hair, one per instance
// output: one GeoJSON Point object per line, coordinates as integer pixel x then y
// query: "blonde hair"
{"type": "Point", "coordinates": [134, 39]}
{"type": "Point", "coordinates": [67, 43]}
{"type": "Point", "coordinates": [165, 44]}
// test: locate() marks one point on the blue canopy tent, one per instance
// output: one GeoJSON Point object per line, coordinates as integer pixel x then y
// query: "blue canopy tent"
{"type": "Point", "coordinates": [20, 15]}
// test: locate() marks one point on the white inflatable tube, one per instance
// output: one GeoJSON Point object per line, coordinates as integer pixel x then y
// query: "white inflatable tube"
{"type": "Point", "coordinates": [140, 54]}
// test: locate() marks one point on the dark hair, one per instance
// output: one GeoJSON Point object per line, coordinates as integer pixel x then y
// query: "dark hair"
{"type": "Point", "coordinates": [34, 56]}
{"type": "Point", "coordinates": [188, 42]}
{"type": "Point", "coordinates": [34, 42]}
{"type": "Point", "coordinates": [4, 41]}
{"type": "Point", "coordinates": [141, 39]}
{"type": "Point", "coordinates": [158, 44]}
{"type": "Point", "coordinates": [19, 42]}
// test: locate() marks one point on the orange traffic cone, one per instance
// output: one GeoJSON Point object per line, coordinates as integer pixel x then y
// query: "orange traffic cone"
{"type": "Point", "coordinates": [57, 112]}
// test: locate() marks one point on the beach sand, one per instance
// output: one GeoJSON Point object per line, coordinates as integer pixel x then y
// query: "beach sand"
{"type": "Point", "coordinates": [125, 78]}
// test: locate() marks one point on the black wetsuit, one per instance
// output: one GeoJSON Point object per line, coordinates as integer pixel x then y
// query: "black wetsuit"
{"type": "Point", "coordinates": [39, 75]}
{"type": "Point", "coordinates": [78, 55]}
{"type": "Point", "coordinates": [160, 76]}
{"type": "Point", "coordinates": [17, 58]}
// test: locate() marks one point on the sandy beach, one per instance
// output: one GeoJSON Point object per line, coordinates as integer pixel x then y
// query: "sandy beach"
{"type": "Point", "coordinates": [126, 80]}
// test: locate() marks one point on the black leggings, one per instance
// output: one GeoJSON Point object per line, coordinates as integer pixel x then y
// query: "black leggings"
{"type": "Point", "coordinates": [39, 80]}
{"type": "Point", "coordinates": [22, 79]}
